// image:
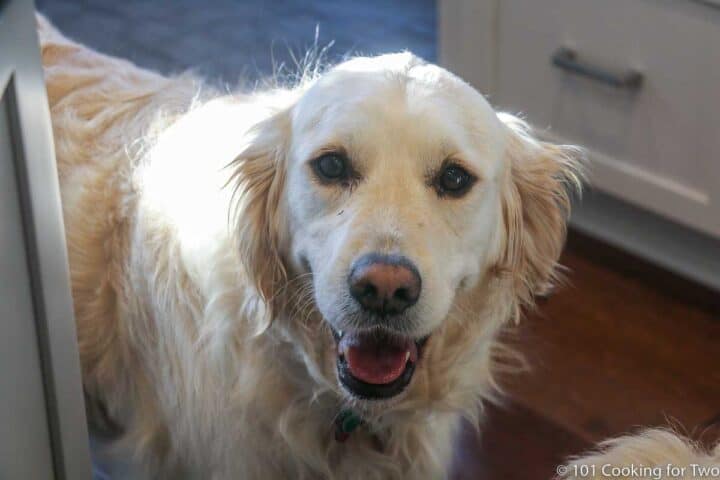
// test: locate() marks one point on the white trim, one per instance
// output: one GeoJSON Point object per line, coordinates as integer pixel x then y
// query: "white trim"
{"type": "Point", "coordinates": [671, 246]}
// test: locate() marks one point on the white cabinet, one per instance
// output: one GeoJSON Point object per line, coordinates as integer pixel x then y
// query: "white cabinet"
{"type": "Point", "coordinates": [657, 146]}
{"type": "Point", "coordinates": [43, 432]}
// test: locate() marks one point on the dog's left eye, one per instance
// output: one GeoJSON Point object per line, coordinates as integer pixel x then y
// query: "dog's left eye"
{"type": "Point", "coordinates": [331, 167]}
{"type": "Point", "coordinates": [453, 180]}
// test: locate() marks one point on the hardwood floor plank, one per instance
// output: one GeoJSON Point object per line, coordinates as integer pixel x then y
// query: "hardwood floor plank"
{"type": "Point", "coordinates": [610, 353]}
{"type": "Point", "coordinates": [514, 443]}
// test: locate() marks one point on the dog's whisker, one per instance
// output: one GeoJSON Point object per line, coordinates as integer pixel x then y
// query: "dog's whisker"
{"type": "Point", "coordinates": [289, 284]}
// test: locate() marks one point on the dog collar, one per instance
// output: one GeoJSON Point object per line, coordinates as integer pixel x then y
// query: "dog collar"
{"type": "Point", "coordinates": [346, 422]}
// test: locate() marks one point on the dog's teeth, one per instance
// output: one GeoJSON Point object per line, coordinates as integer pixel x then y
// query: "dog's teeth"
{"type": "Point", "coordinates": [340, 332]}
{"type": "Point", "coordinates": [407, 355]}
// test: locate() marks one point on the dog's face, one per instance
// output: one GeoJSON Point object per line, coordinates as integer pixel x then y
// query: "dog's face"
{"type": "Point", "coordinates": [395, 194]}
{"type": "Point", "coordinates": [393, 205]}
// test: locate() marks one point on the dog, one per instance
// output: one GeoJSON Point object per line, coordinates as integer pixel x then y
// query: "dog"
{"type": "Point", "coordinates": [305, 281]}
{"type": "Point", "coordinates": [246, 268]}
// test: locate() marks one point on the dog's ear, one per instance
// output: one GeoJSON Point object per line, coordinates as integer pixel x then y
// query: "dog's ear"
{"type": "Point", "coordinates": [536, 206]}
{"type": "Point", "coordinates": [259, 181]}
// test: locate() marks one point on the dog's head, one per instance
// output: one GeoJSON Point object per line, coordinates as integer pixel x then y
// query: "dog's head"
{"type": "Point", "coordinates": [396, 195]}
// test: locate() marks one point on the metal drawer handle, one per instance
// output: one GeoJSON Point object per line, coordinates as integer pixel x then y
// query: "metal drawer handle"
{"type": "Point", "coordinates": [567, 59]}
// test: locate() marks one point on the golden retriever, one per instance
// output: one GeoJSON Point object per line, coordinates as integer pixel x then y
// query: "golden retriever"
{"type": "Point", "coordinates": [302, 282]}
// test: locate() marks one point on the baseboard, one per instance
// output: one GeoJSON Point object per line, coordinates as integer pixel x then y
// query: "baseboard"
{"type": "Point", "coordinates": [673, 247]}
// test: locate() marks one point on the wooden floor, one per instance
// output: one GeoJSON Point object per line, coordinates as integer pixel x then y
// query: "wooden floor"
{"type": "Point", "coordinates": [622, 345]}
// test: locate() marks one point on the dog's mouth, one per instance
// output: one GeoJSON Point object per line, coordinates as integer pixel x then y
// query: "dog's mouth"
{"type": "Point", "coordinates": [376, 364]}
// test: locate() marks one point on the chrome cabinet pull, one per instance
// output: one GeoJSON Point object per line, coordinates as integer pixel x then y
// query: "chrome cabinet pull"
{"type": "Point", "coordinates": [567, 59]}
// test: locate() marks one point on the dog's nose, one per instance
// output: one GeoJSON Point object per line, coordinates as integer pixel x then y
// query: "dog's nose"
{"type": "Point", "coordinates": [384, 284]}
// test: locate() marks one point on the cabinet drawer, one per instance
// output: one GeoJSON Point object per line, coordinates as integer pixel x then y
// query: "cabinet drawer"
{"type": "Point", "coordinates": [657, 146]}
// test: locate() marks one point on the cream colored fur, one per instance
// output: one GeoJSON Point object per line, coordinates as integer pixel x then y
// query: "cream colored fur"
{"type": "Point", "coordinates": [189, 213]}
{"type": "Point", "coordinates": [651, 454]}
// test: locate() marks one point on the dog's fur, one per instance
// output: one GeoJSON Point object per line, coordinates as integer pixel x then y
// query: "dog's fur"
{"type": "Point", "coordinates": [646, 455]}
{"type": "Point", "coordinates": [205, 264]}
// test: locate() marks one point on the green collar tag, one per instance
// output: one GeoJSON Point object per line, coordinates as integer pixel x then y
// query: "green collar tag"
{"type": "Point", "coordinates": [346, 422]}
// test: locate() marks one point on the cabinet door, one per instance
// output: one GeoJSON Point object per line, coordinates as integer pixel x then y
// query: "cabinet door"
{"type": "Point", "coordinates": [43, 433]}
{"type": "Point", "coordinates": [655, 144]}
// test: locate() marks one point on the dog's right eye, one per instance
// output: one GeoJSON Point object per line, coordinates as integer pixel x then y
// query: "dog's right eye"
{"type": "Point", "coordinates": [331, 167]}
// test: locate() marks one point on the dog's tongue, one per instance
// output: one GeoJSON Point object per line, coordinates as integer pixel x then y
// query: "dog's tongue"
{"type": "Point", "coordinates": [376, 359]}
